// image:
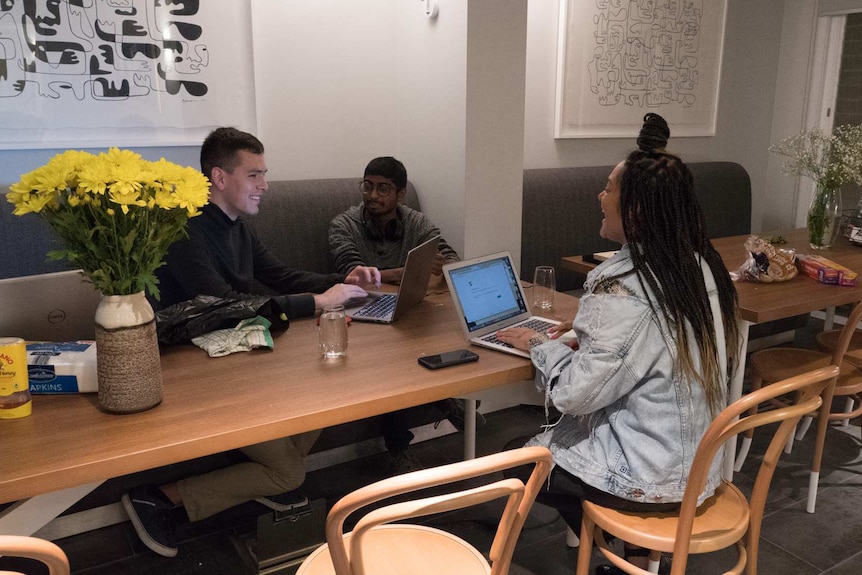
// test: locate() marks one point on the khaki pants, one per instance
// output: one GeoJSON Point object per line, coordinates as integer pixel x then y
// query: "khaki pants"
{"type": "Point", "coordinates": [276, 466]}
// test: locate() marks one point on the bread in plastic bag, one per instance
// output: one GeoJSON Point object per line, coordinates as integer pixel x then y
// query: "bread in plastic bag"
{"type": "Point", "coordinates": [766, 263]}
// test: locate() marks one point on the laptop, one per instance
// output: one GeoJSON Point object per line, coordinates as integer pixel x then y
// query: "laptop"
{"type": "Point", "coordinates": [488, 297]}
{"type": "Point", "coordinates": [59, 306]}
{"type": "Point", "coordinates": [381, 307]}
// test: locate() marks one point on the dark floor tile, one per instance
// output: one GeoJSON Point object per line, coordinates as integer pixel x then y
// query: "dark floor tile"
{"type": "Point", "coordinates": [94, 548]}
{"type": "Point", "coordinates": [794, 542]}
{"type": "Point", "coordinates": [850, 566]}
{"type": "Point", "coordinates": [213, 555]}
{"type": "Point", "coordinates": [551, 556]}
{"type": "Point", "coordinates": [825, 538]}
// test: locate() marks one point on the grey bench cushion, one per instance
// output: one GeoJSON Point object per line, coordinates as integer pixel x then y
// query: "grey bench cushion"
{"type": "Point", "coordinates": [561, 214]}
{"type": "Point", "coordinates": [294, 218]}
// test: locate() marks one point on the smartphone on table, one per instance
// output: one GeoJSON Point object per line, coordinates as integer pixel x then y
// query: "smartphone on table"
{"type": "Point", "coordinates": [448, 358]}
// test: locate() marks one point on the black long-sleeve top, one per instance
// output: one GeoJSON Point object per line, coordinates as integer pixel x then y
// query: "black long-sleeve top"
{"type": "Point", "coordinates": [223, 257]}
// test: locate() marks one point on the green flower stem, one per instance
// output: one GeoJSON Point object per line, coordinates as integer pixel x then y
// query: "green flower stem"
{"type": "Point", "coordinates": [820, 218]}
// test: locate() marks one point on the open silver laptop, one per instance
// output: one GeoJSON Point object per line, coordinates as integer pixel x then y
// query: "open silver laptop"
{"type": "Point", "coordinates": [58, 306]}
{"type": "Point", "coordinates": [488, 297]}
{"type": "Point", "coordinates": [383, 307]}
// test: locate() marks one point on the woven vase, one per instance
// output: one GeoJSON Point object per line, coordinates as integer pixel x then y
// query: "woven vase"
{"type": "Point", "coordinates": [127, 354]}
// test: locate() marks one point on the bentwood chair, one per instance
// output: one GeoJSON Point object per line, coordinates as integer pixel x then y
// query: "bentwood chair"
{"type": "Point", "coordinates": [377, 546]}
{"type": "Point", "coordinates": [34, 548]}
{"type": "Point", "coordinates": [778, 363]}
{"type": "Point", "coordinates": [726, 518]}
{"type": "Point", "coordinates": [827, 341]}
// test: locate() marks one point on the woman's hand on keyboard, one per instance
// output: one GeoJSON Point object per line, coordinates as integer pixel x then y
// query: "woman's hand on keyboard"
{"type": "Point", "coordinates": [518, 337]}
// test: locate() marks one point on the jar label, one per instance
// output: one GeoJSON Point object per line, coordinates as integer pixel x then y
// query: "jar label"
{"type": "Point", "coordinates": [13, 366]}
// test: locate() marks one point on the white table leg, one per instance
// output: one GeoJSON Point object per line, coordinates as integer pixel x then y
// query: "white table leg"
{"type": "Point", "coordinates": [27, 516]}
{"type": "Point", "coordinates": [469, 428]}
{"type": "Point", "coordinates": [829, 318]}
{"type": "Point", "coordinates": [734, 393]}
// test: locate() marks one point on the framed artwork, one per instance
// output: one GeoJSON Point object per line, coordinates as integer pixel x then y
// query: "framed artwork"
{"type": "Point", "coordinates": [94, 73]}
{"type": "Point", "coordinates": [619, 60]}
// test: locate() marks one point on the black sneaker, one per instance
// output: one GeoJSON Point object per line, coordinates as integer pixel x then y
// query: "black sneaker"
{"type": "Point", "coordinates": [284, 501]}
{"type": "Point", "coordinates": [150, 509]}
{"type": "Point", "coordinates": [453, 410]}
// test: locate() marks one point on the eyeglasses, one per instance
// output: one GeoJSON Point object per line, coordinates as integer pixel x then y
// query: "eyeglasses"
{"type": "Point", "coordinates": [383, 189]}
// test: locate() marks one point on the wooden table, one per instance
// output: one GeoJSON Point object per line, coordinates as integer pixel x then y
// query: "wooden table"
{"type": "Point", "coordinates": [212, 405]}
{"type": "Point", "coordinates": [762, 302]}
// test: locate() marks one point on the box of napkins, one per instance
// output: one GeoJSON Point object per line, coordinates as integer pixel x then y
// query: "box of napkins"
{"type": "Point", "coordinates": [62, 367]}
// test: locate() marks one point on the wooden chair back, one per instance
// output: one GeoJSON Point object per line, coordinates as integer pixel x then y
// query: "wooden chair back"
{"type": "Point", "coordinates": [727, 518]}
{"type": "Point", "coordinates": [730, 422]}
{"type": "Point", "coordinates": [348, 552]}
{"type": "Point", "coordinates": [34, 548]}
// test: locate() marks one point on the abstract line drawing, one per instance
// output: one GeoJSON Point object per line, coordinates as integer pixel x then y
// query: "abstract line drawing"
{"type": "Point", "coordinates": [623, 58]}
{"type": "Point", "coordinates": [123, 72]}
{"type": "Point", "coordinates": [101, 49]}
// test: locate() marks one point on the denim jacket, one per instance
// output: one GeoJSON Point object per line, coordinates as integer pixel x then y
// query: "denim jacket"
{"type": "Point", "coordinates": [630, 423]}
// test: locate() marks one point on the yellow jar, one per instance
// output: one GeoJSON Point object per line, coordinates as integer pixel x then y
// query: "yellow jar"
{"type": "Point", "coordinates": [15, 400]}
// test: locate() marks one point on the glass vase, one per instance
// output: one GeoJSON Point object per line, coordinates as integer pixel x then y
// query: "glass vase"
{"type": "Point", "coordinates": [824, 217]}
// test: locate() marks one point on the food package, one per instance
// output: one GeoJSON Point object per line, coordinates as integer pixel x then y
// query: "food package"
{"type": "Point", "coordinates": [766, 263]}
{"type": "Point", "coordinates": [825, 271]}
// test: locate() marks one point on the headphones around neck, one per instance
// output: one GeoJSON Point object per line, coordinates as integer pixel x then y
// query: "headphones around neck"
{"type": "Point", "coordinates": [392, 231]}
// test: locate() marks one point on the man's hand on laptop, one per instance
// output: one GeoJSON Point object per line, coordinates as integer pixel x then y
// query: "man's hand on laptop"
{"type": "Point", "coordinates": [363, 275]}
{"type": "Point", "coordinates": [338, 294]}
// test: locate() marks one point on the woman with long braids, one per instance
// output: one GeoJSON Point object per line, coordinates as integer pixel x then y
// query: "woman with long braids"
{"type": "Point", "coordinates": [657, 341]}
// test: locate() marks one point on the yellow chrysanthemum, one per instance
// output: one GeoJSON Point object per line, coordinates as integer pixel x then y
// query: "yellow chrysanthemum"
{"type": "Point", "coordinates": [78, 193]}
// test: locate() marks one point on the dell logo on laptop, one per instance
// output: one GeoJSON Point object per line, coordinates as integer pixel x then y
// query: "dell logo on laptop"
{"type": "Point", "coordinates": [56, 316]}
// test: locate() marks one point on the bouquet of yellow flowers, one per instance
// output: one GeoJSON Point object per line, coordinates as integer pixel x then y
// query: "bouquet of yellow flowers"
{"type": "Point", "coordinates": [115, 213]}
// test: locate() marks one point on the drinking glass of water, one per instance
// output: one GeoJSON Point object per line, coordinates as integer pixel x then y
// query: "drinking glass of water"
{"type": "Point", "coordinates": [544, 286]}
{"type": "Point", "coordinates": [333, 332]}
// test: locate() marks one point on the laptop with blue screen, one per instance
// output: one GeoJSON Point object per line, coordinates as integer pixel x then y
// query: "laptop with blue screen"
{"type": "Point", "coordinates": [488, 297]}
{"type": "Point", "coordinates": [381, 307]}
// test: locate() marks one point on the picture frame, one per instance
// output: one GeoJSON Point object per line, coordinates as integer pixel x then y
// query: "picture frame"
{"type": "Point", "coordinates": [618, 61]}
{"type": "Point", "coordinates": [124, 74]}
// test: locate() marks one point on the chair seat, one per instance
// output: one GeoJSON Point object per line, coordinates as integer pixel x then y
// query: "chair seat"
{"type": "Point", "coordinates": [828, 340]}
{"type": "Point", "coordinates": [779, 363]}
{"type": "Point", "coordinates": [402, 549]}
{"type": "Point", "coordinates": [720, 521]}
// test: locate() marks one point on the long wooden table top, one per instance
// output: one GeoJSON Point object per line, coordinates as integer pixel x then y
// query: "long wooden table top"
{"type": "Point", "coordinates": [215, 404]}
{"type": "Point", "coordinates": [762, 302]}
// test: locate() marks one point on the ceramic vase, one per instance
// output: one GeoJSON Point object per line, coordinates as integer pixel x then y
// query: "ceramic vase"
{"type": "Point", "coordinates": [127, 354]}
{"type": "Point", "coordinates": [824, 217]}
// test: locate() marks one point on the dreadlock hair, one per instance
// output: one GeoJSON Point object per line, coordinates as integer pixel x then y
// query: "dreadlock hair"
{"type": "Point", "coordinates": [664, 226]}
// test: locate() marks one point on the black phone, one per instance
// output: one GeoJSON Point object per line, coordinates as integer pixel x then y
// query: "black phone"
{"type": "Point", "coordinates": [448, 358]}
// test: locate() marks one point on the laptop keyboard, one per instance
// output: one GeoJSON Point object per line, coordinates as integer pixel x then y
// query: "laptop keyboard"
{"type": "Point", "coordinates": [538, 325]}
{"type": "Point", "coordinates": [380, 307]}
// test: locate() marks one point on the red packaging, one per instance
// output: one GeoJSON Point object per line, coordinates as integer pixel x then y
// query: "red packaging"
{"type": "Point", "coordinates": [824, 270]}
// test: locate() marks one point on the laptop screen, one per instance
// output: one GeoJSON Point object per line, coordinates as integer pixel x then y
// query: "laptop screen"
{"type": "Point", "coordinates": [488, 292]}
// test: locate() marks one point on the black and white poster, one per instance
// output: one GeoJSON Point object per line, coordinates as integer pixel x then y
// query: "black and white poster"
{"type": "Point", "coordinates": [620, 59]}
{"type": "Point", "coordinates": [123, 72]}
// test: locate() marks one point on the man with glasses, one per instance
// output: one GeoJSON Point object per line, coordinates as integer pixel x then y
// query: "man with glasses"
{"type": "Point", "coordinates": [379, 232]}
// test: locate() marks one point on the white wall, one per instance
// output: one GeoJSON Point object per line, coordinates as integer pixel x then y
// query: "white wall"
{"type": "Point", "coordinates": [749, 68]}
{"type": "Point", "coordinates": [789, 107]}
{"type": "Point", "coordinates": [339, 82]}
{"type": "Point", "coordinates": [326, 83]}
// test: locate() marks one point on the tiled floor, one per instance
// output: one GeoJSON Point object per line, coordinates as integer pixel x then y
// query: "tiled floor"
{"type": "Point", "coordinates": [793, 542]}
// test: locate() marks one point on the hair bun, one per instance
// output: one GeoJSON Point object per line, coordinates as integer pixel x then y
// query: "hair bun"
{"type": "Point", "coordinates": [654, 133]}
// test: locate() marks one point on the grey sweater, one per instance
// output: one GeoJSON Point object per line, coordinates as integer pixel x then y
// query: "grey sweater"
{"type": "Point", "coordinates": [351, 246]}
